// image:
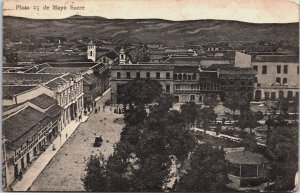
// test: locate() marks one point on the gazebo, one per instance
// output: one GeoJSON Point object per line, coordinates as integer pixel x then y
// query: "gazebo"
{"type": "Point", "coordinates": [246, 169]}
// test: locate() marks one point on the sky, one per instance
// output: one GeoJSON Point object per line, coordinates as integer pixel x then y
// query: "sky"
{"type": "Point", "coordinates": [254, 11]}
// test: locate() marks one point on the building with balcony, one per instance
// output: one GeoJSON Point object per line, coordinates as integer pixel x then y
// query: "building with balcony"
{"type": "Point", "coordinates": [186, 83]}
{"type": "Point", "coordinates": [28, 128]}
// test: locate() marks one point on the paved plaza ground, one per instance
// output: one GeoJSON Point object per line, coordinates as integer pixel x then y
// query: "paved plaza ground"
{"type": "Point", "coordinates": [64, 171]}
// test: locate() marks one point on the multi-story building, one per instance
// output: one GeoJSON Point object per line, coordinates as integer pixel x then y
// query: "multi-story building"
{"type": "Point", "coordinates": [28, 128]}
{"type": "Point", "coordinates": [120, 74]}
{"type": "Point", "coordinates": [186, 83]}
{"type": "Point", "coordinates": [277, 75]}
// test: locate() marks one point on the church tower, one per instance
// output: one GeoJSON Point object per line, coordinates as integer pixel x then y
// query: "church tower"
{"type": "Point", "coordinates": [91, 51]}
{"type": "Point", "coordinates": [122, 56]}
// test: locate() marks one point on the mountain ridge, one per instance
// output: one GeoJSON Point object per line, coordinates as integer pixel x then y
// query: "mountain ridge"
{"type": "Point", "coordinates": [148, 30]}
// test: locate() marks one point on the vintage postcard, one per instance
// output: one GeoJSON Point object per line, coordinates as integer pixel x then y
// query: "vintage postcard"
{"type": "Point", "coordinates": [150, 95]}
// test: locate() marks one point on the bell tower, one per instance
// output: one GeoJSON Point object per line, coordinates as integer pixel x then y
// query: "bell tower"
{"type": "Point", "coordinates": [91, 51]}
{"type": "Point", "coordinates": [122, 56]}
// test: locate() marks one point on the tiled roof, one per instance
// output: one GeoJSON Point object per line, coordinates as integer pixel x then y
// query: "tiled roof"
{"type": "Point", "coordinates": [72, 64]}
{"type": "Point", "coordinates": [16, 126]}
{"type": "Point", "coordinates": [237, 70]}
{"type": "Point", "coordinates": [186, 69]}
{"type": "Point", "coordinates": [245, 157]}
{"type": "Point", "coordinates": [56, 83]}
{"type": "Point", "coordinates": [54, 111]}
{"type": "Point", "coordinates": [9, 91]}
{"type": "Point", "coordinates": [37, 68]}
{"type": "Point", "coordinates": [90, 79]}
{"type": "Point", "coordinates": [219, 66]}
{"type": "Point", "coordinates": [43, 101]}
{"type": "Point", "coordinates": [27, 78]}
{"type": "Point", "coordinates": [276, 58]}
{"type": "Point", "coordinates": [142, 67]}
{"type": "Point", "coordinates": [74, 70]}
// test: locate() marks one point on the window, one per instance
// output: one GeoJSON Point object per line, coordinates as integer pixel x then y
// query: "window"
{"type": "Point", "coordinates": [157, 74]}
{"type": "Point", "coordinates": [267, 95]}
{"type": "Point", "coordinates": [284, 80]}
{"type": "Point", "coordinates": [168, 88]}
{"type": "Point", "coordinates": [250, 83]}
{"type": "Point", "coordinates": [138, 74]}
{"type": "Point", "coordinates": [264, 69]}
{"type": "Point", "coordinates": [278, 80]}
{"type": "Point", "coordinates": [278, 69]}
{"type": "Point", "coordinates": [231, 82]}
{"type": "Point", "coordinates": [255, 68]}
{"type": "Point", "coordinates": [147, 74]}
{"type": "Point", "coordinates": [192, 98]}
{"type": "Point", "coordinates": [118, 74]}
{"type": "Point", "coordinates": [285, 69]}
{"type": "Point", "coordinates": [242, 83]}
{"type": "Point", "coordinates": [168, 75]}
{"type": "Point", "coordinates": [91, 53]}
{"type": "Point", "coordinates": [255, 79]}
{"type": "Point", "coordinates": [128, 74]}
{"type": "Point", "coordinates": [194, 77]}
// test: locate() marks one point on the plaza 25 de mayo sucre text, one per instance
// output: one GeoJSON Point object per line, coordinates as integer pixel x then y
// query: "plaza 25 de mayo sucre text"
{"type": "Point", "coordinates": [52, 7]}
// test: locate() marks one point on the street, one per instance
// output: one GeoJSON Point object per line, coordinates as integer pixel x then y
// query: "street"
{"type": "Point", "coordinates": [65, 170]}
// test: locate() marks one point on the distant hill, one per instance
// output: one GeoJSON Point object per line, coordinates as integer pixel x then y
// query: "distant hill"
{"type": "Point", "coordinates": [146, 30]}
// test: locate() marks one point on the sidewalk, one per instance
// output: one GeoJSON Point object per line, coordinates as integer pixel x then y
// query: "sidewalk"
{"type": "Point", "coordinates": [41, 162]}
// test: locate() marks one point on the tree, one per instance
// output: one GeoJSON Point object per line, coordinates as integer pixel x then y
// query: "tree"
{"type": "Point", "coordinates": [283, 105]}
{"type": "Point", "coordinates": [95, 179]}
{"type": "Point", "coordinates": [207, 172]}
{"type": "Point", "coordinates": [248, 141]}
{"type": "Point", "coordinates": [231, 102]}
{"type": "Point", "coordinates": [259, 115]}
{"type": "Point", "coordinates": [189, 112]}
{"type": "Point", "coordinates": [165, 101]}
{"type": "Point", "coordinates": [207, 115]}
{"type": "Point", "coordinates": [282, 147]}
{"type": "Point", "coordinates": [218, 128]}
{"type": "Point", "coordinates": [134, 115]}
{"type": "Point", "coordinates": [248, 120]}
{"type": "Point", "coordinates": [211, 100]}
{"type": "Point", "coordinates": [140, 92]}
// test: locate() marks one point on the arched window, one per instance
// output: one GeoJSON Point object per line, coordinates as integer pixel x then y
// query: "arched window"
{"type": "Point", "coordinates": [180, 77]}
{"type": "Point", "coordinates": [122, 56]}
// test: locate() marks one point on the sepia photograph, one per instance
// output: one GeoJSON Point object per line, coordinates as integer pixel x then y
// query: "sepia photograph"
{"type": "Point", "coordinates": [150, 95]}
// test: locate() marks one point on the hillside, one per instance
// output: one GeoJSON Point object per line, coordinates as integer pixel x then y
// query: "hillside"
{"type": "Point", "coordinates": [146, 30]}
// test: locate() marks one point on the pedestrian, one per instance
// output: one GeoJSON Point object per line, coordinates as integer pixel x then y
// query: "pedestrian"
{"type": "Point", "coordinates": [115, 111]}
{"type": "Point", "coordinates": [21, 174]}
{"type": "Point", "coordinates": [120, 111]}
{"type": "Point", "coordinates": [103, 108]}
